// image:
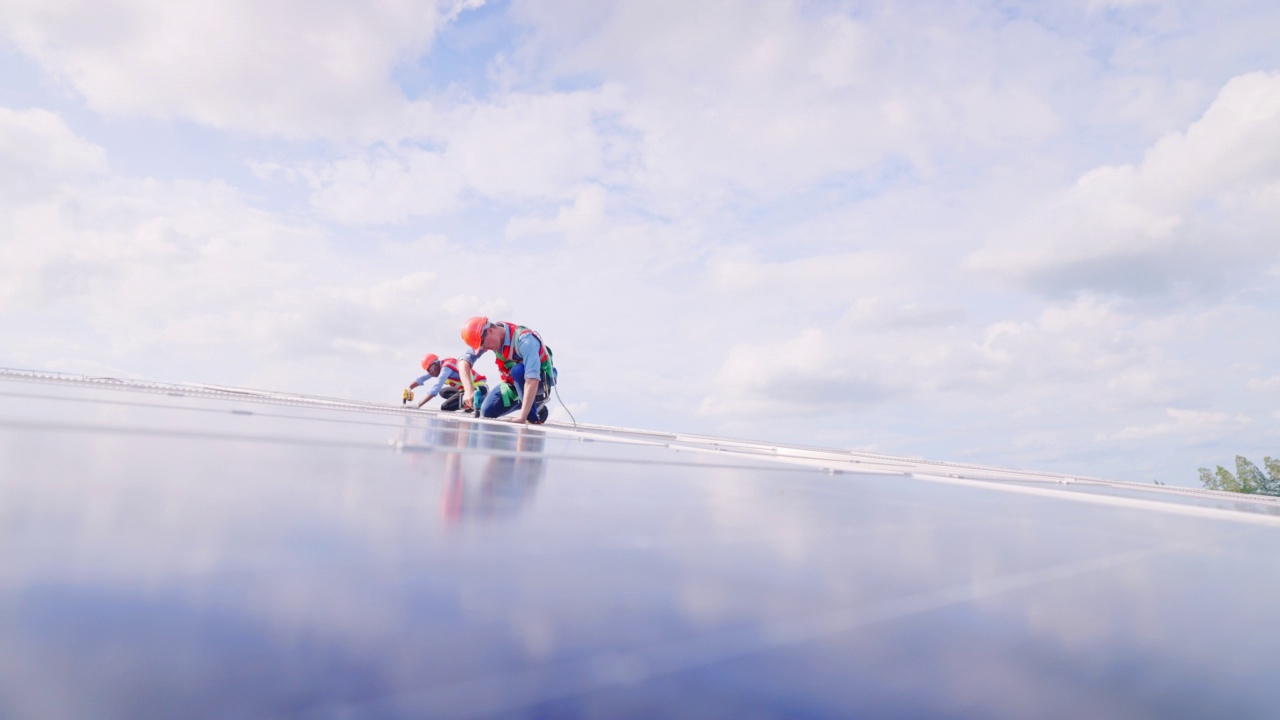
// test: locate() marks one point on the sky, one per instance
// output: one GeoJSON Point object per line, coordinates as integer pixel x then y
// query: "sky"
{"type": "Point", "coordinates": [1042, 235]}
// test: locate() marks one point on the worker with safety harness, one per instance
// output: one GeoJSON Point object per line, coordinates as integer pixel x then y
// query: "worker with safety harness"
{"type": "Point", "coordinates": [448, 384]}
{"type": "Point", "coordinates": [524, 362]}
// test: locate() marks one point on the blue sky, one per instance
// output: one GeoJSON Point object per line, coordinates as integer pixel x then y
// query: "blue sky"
{"type": "Point", "coordinates": [1042, 234]}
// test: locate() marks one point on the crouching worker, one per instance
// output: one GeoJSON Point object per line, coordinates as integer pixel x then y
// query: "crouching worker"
{"type": "Point", "coordinates": [524, 362]}
{"type": "Point", "coordinates": [445, 381]}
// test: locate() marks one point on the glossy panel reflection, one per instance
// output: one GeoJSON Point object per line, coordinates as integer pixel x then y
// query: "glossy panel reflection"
{"type": "Point", "coordinates": [171, 556]}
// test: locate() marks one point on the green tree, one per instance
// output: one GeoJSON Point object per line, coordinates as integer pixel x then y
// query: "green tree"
{"type": "Point", "coordinates": [1273, 469]}
{"type": "Point", "coordinates": [1247, 479]}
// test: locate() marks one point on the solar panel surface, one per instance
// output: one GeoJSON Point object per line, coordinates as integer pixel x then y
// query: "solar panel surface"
{"type": "Point", "coordinates": [188, 551]}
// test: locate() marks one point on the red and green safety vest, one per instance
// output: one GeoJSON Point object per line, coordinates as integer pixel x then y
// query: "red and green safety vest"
{"type": "Point", "coordinates": [506, 357]}
{"type": "Point", "coordinates": [452, 364]}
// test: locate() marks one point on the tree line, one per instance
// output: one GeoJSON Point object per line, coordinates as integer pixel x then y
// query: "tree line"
{"type": "Point", "coordinates": [1247, 478]}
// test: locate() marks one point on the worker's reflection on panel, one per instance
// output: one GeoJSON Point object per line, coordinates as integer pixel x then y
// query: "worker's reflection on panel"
{"type": "Point", "coordinates": [491, 470]}
{"type": "Point", "coordinates": [511, 465]}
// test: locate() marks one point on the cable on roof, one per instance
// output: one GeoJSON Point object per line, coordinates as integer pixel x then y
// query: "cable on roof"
{"type": "Point", "coordinates": [556, 388]}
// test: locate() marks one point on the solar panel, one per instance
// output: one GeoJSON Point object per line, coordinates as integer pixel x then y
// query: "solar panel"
{"type": "Point", "coordinates": [198, 551]}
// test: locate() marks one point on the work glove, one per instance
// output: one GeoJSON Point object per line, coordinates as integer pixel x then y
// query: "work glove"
{"type": "Point", "coordinates": [407, 397]}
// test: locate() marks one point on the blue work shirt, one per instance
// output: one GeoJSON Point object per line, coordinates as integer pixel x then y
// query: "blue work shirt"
{"type": "Point", "coordinates": [447, 376]}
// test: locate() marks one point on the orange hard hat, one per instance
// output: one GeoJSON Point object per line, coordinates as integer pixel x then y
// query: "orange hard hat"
{"type": "Point", "coordinates": [428, 359]}
{"type": "Point", "coordinates": [473, 331]}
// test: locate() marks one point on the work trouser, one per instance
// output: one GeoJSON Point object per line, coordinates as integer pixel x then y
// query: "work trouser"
{"type": "Point", "coordinates": [507, 397]}
{"type": "Point", "coordinates": [451, 397]}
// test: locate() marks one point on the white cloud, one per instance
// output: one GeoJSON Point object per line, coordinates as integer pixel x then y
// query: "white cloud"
{"type": "Point", "coordinates": [584, 216]}
{"type": "Point", "coordinates": [1188, 425]}
{"type": "Point", "coordinates": [1096, 5]}
{"type": "Point", "coordinates": [462, 307]}
{"type": "Point", "coordinates": [290, 67]}
{"type": "Point", "coordinates": [1265, 385]}
{"type": "Point", "coordinates": [516, 149]}
{"type": "Point", "coordinates": [815, 282]}
{"type": "Point", "coordinates": [530, 146]}
{"type": "Point", "coordinates": [188, 280]}
{"type": "Point", "coordinates": [721, 103]}
{"type": "Point", "coordinates": [1088, 355]}
{"type": "Point", "coordinates": [384, 187]}
{"type": "Point", "coordinates": [146, 244]}
{"type": "Point", "coordinates": [38, 150]}
{"type": "Point", "coordinates": [876, 312]}
{"type": "Point", "coordinates": [1201, 204]}
{"type": "Point", "coordinates": [398, 293]}
{"type": "Point", "coordinates": [799, 374]}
